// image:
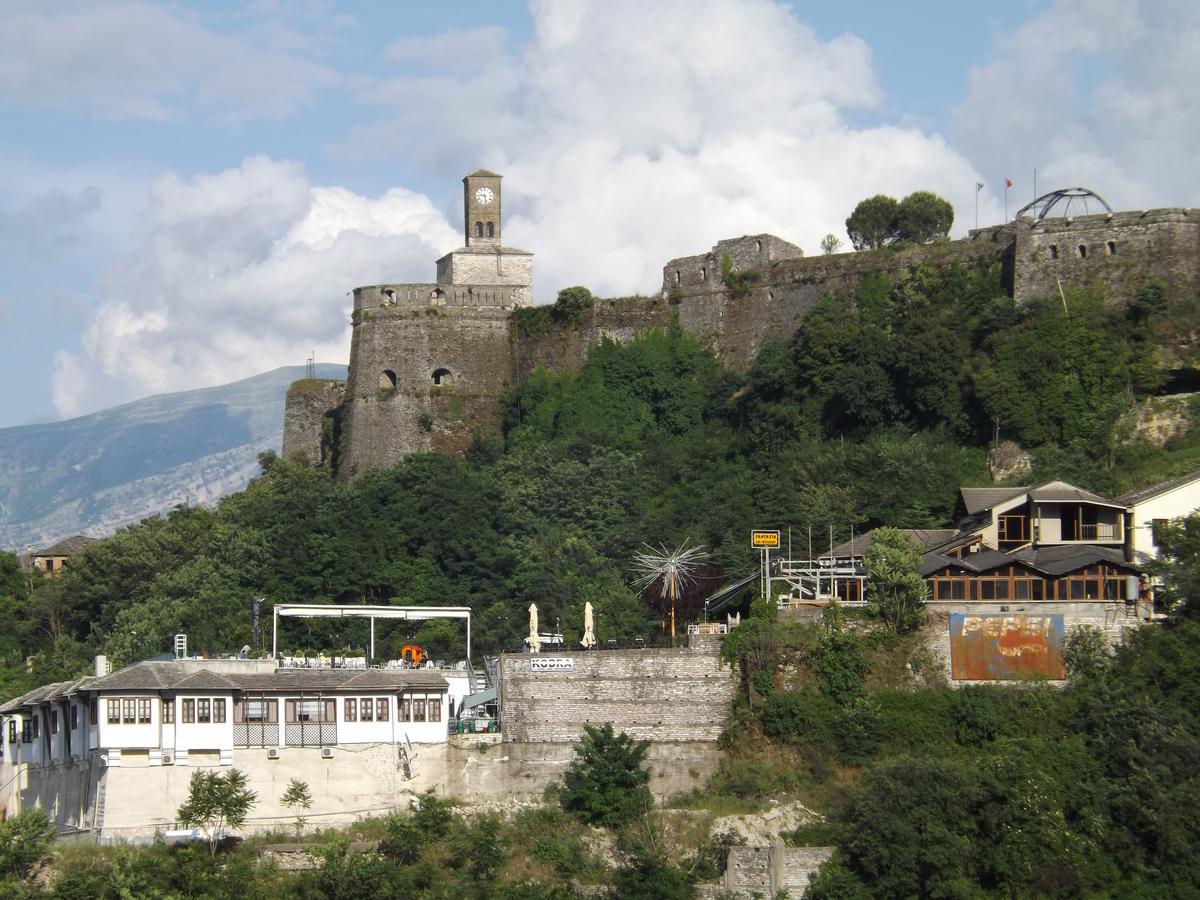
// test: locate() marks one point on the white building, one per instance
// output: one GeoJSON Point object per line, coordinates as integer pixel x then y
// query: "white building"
{"type": "Point", "coordinates": [163, 713]}
{"type": "Point", "coordinates": [1159, 503]}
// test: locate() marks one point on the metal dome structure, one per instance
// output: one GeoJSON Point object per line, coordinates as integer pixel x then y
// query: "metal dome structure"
{"type": "Point", "coordinates": [1065, 203]}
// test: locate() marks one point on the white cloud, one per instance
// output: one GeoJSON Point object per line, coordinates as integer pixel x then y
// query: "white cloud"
{"type": "Point", "coordinates": [633, 132]}
{"type": "Point", "coordinates": [628, 132]}
{"type": "Point", "coordinates": [1099, 93]}
{"type": "Point", "coordinates": [135, 60]}
{"type": "Point", "coordinates": [239, 272]}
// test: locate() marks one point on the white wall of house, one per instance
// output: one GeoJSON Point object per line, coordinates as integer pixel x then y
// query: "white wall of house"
{"type": "Point", "coordinates": [459, 688]}
{"type": "Point", "coordinates": [423, 731]}
{"type": "Point", "coordinates": [1172, 504]}
{"type": "Point", "coordinates": [199, 735]}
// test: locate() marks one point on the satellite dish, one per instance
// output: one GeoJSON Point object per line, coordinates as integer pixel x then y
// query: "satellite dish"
{"type": "Point", "coordinates": [244, 652]}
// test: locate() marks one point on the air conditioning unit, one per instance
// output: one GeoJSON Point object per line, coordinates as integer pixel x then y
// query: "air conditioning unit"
{"type": "Point", "coordinates": [326, 753]}
{"type": "Point", "coordinates": [273, 753]}
{"type": "Point", "coordinates": [168, 758]}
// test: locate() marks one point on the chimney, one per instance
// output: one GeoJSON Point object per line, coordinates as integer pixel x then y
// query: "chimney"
{"type": "Point", "coordinates": [103, 666]}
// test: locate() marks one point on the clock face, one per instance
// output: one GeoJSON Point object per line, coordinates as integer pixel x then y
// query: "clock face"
{"type": "Point", "coordinates": [484, 195]}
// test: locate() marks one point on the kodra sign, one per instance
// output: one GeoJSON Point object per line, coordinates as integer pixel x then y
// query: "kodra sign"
{"type": "Point", "coordinates": [551, 664]}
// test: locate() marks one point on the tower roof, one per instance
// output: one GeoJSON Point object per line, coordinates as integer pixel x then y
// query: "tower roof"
{"type": "Point", "coordinates": [485, 173]}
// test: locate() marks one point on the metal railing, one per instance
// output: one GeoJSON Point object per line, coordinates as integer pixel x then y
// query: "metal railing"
{"type": "Point", "coordinates": [1099, 532]}
{"type": "Point", "coordinates": [255, 734]}
{"type": "Point", "coordinates": [310, 734]}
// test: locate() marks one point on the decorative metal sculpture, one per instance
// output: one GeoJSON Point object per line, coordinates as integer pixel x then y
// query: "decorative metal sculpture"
{"type": "Point", "coordinates": [1065, 203]}
{"type": "Point", "coordinates": [671, 569]}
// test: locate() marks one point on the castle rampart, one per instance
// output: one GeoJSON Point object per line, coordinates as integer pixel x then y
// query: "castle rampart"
{"type": "Point", "coordinates": [1118, 252]}
{"type": "Point", "coordinates": [430, 362]}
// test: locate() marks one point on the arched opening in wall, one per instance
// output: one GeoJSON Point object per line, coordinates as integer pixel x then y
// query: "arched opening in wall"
{"type": "Point", "coordinates": [1082, 250]}
{"type": "Point", "coordinates": [442, 376]}
{"type": "Point", "coordinates": [677, 276]}
{"type": "Point", "coordinates": [1054, 251]}
{"type": "Point", "coordinates": [1112, 248]}
{"type": "Point", "coordinates": [703, 274]}
{"type": "Point", "coordinates": [387, 380]}
{"type": "Point", "coordinates": [758, 246]}
{"type": "Point", "coordinates": [491, 229]}
{"type": "Point", "coordinates": [770, 295]}
{"type": "Point", "coordinates": [478, 229]}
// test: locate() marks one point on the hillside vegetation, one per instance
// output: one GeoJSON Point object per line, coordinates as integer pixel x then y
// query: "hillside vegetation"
{"type": "Point", "coordinates": [875, 413]}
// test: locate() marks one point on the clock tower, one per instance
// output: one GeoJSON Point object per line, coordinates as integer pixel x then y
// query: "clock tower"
{"type": "Point", "coordinates": [481, 205]}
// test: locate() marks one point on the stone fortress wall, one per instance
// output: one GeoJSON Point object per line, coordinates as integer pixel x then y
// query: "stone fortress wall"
{"type": "Point", "coordinates": [669, 695]}
{"type": "Point", "coordinates": [468, 331]}
{"type": "Point", "coordinates": [427, 365]}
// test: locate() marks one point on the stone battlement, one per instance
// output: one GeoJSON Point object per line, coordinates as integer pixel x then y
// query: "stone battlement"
{"type": "Point", "coordinates": [408, 296]}
{"type": "Point", "coordinates": [430, 362]}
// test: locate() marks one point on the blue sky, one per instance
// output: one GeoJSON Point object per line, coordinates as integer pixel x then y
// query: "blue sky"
{"type": "Point", "coordinates": [187, 191]}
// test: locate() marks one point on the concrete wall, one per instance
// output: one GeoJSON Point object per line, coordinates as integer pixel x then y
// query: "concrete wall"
{"type": "Point", "coordinates": [665, 695]}
{"type": "Point", "coordinates": [137, 800]}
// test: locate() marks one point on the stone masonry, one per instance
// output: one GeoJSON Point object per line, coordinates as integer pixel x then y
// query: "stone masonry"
{"type": "Point", "coordinates": [667, 695]}
{"type": "Point", "coordinates": [310, 413]}
{"type": "Point", "coordinates": [429, 363]}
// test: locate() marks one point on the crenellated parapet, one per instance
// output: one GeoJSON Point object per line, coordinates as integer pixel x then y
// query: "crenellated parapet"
{"type": "Point", "coordinates": [430, 362]}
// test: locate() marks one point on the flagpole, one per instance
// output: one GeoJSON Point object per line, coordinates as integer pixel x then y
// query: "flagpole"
{"type": "Point", "coordinates": [977, 208]}
{"type": "Point", "coordinates": [1006, 200]}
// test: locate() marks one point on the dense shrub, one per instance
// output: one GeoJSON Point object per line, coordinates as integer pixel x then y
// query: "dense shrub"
{"type": "Point", "coordinates": [606, 783]}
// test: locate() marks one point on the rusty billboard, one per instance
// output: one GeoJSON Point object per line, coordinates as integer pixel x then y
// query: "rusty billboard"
{"type": "Point", "coordinates": [1002, 647]}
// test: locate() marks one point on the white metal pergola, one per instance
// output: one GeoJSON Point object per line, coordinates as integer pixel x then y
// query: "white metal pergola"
{"type": "Point", "coordinates": [334, 611]}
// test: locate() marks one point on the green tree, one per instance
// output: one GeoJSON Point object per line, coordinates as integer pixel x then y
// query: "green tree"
{"type": "Point", "coordinates": [24, 839]}
{"type": "Point", "coordinates": [923, 216]}
{"type": "Point", "coordinates": [572, 303]}
{"type": "Point", "coordinates": [910, 828]}
{"type": "Point", "coordinates": [830, 244]}
{"type": "Point", "coordinates": [606, 783]}
{"type": "Point", "coordinates": [896, 590]}
{"type": "Point", "coordinates": [873, 222]}
{"type": "Point", "coordinates": [216, 803]}
{"type": "Point", "coordinates": [297, 797]}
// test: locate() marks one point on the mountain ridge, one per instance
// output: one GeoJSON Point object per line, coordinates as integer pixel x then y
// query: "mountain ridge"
{"type": "Point", "coordinates": [94, 473]}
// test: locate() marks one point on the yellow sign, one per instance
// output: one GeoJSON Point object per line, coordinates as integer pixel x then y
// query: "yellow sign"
{"type": "Point", "coordinates": [764, 540]}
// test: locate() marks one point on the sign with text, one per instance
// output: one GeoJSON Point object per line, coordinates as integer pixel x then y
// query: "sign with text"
{"type": "Point", "coordinates": [764, 540]}
{"type": "Point", "coordinates": [551, 664]}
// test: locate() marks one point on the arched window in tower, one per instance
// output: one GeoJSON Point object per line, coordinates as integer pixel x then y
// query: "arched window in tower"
{"type": "Point", "coordinates": [442, 376]}
{"type": "Point", "coordinates": [491, 229]}
{"type": "Point", "coordinates": [478, 229]}
{"type": "Point", "coordinates": [387, 380]}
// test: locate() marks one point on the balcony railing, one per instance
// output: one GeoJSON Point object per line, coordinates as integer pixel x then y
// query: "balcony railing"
{"type": "Point", "coordinates": [1099, 532]}
{"type": "Point", "coordinates": [254, 734]}
{"type": "Point", "coordinates": [310, 734]}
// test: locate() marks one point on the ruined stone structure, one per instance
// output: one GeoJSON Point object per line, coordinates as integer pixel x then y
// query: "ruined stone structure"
{"type": "Point", "coordinates": [310, 419]}
{"type": "Point", "coordinates": [429, 362]}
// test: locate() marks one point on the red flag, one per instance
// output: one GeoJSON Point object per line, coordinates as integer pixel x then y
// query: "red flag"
{"type": "Point", "coordinates": [1008, 182]}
